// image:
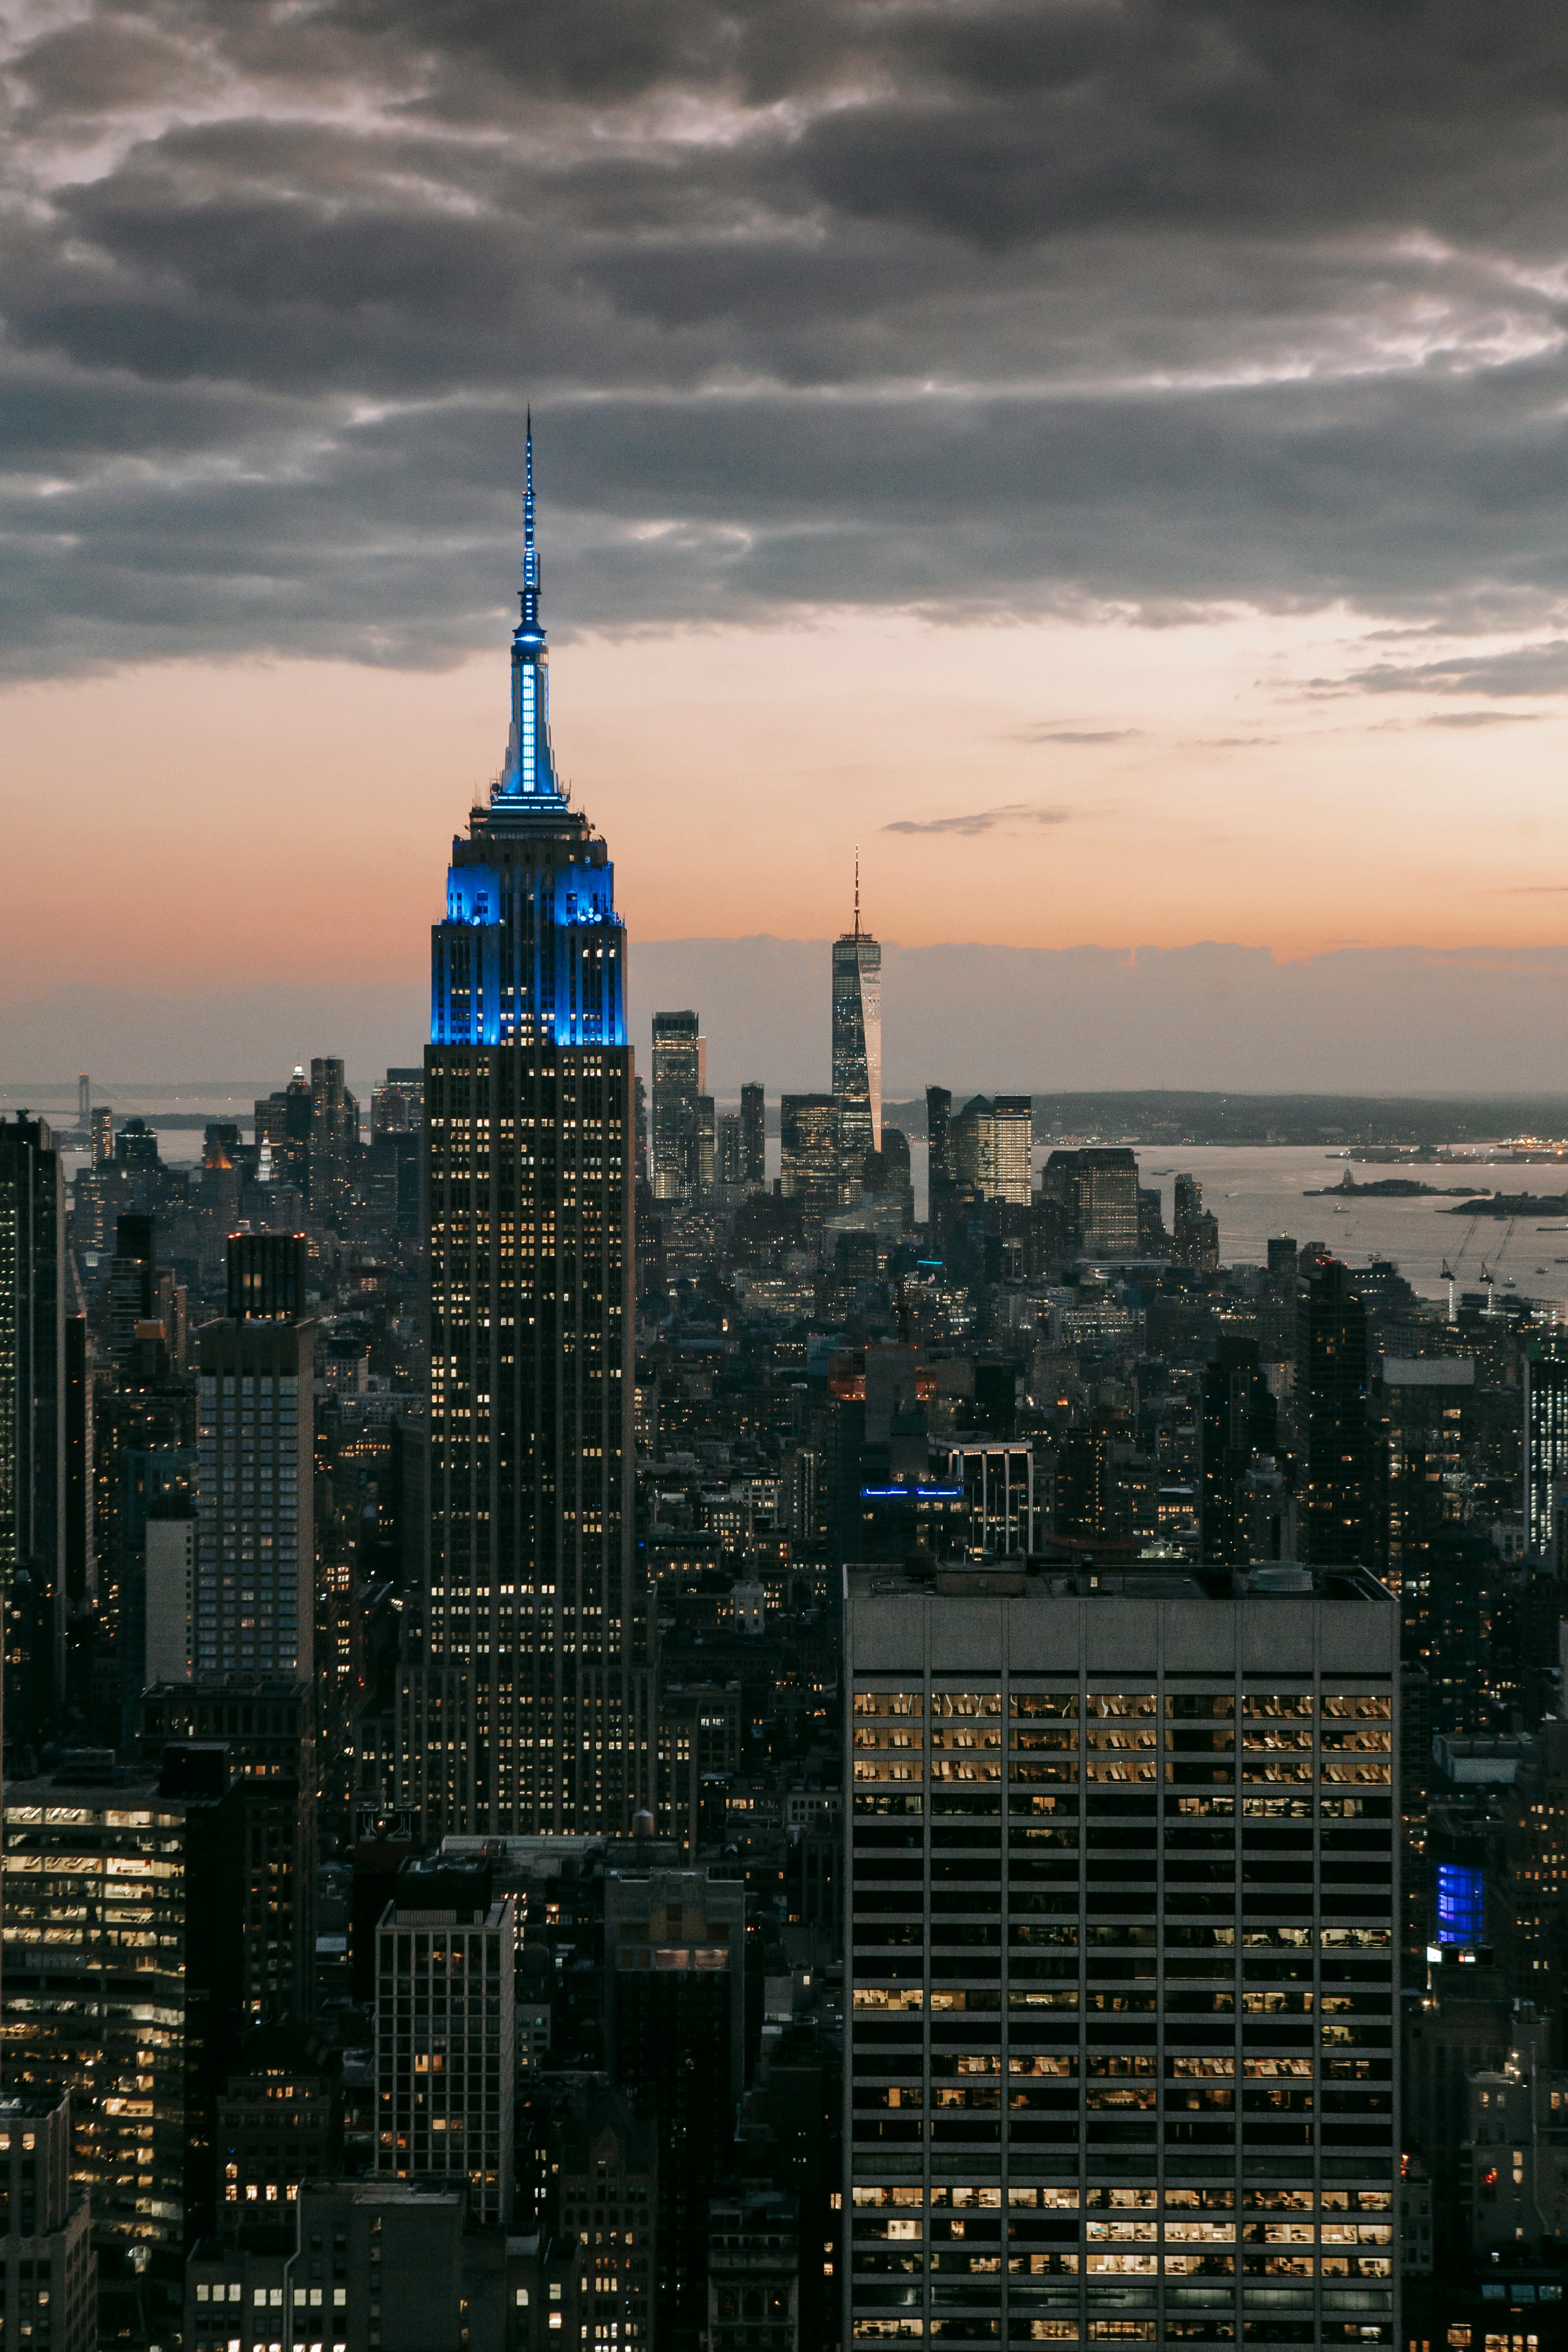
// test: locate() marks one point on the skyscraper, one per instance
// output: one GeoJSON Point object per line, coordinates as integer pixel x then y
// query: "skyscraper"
{"type": "Point", "coordinates": [754, 1134]}
{"type": "Point", "coordinates": [445, 1967]}
{"type": "Point", "coordinates": [992, 1147]}
{"type": "Point", "coordinates": [1122, 2022]}
{"type": "Point", "coordinates": [940, 1171]}
{"type": "Point", "coordinates": [254, 1583]}
{"type": "Point", "coordinates": [524, 1690]}
{"type": "Point", "coordinates": [1545, 1440]}
{"type": "Point", "coordinates": [808, 1133]}
{"type": "Point", "coordinates": [334, 1137]}
{"type": "Point", "coordinates": [857, 1049]}
{"type": "Point", "coordinates": [32, 1426]}
{"type": "Point", "coordinates": [676, 1084]}
{"type": "Point", "coordinates": [50, 2276]}
{"type": "Point", "coordinates": [1096, 1190]}
{"type": "Point", "coordinates": [1338, 1515]}
{"type": "Point", "coordinates": [1240, 1421]}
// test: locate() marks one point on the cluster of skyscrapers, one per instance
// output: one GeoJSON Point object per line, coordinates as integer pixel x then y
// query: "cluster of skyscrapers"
{"type": "Point", "coordinates": [617, 1741]}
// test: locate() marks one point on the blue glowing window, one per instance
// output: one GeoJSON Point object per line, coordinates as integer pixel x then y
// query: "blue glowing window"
{"type": "Point", "coordinates": [1461, 1903]}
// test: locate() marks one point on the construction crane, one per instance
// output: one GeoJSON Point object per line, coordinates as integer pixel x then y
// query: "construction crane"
{"type": "Point", "coordinates": [1489, 1274]}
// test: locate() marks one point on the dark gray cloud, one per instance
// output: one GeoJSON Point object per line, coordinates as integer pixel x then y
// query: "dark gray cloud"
{"type": "Point", "coordinates": [1013, 817]}
{"type": "Point", "coordinates": [989, 310]}
{"type": "Point", "coordinates": [1521, 669]}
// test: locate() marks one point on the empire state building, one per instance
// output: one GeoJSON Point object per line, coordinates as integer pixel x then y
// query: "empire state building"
{"type": "Point", "coordinates": [524, 1694]}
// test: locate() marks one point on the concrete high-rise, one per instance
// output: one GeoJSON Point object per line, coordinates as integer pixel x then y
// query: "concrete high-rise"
{"type": "Point", "coordinates": [524, 1691]}
{"type": "Point", "coordinates": [32, 1426]}
{"type": "Point", "coordinates": [255, 1569]}
{"type": "Point", "coordinates": [676, 1084]}
{"type": "Point", "coordinates": [50, 2276]}
{"type": "Point", "coordinates": [1122, 2039]}
{"type": "Point", "coordinates": [446, 1962]}
{"type": "Point", "coordinates": [857, 1050]}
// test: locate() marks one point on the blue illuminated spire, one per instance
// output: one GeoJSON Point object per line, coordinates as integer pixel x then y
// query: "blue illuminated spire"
{"type": "Point", "coordinates": [530, 771]}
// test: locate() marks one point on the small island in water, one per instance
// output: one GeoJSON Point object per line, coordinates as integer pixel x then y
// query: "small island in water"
{"type": "Point", "coordinates": [1389, 1188]}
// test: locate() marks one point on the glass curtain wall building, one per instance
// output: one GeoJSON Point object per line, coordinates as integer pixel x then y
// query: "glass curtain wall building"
{"type": "Point", "coordinates": [524, 1694]}
{"type": "Point", "coordinates": [857, 1050]}
{"type": "Point", "coordinates": [1121, 1867]}
{"type": "Point", "coordinates": [677, 1086]}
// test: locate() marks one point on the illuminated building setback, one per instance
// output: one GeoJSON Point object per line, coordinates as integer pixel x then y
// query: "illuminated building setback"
{"type": "Point", "coordinates": [523, 1699]}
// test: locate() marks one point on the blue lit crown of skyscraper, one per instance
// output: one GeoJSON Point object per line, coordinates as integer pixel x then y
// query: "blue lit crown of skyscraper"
{"type": "Point", "coordinates": [531, 949]}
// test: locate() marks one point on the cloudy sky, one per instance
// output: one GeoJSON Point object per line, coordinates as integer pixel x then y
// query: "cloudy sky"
{"type": "Point", "coordinates": [1106, 458]}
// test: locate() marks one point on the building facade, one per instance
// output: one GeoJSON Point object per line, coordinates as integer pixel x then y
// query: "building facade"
{"type": "Point", "coordinates": [524, 1691]}
{"type": "Point", "coordinates": [998, 1486]}
{"type": "Point", "coordinates": [254, 1583]}
{"type": "Point", "coordinates": [754, 1134]}
{"type": "Point", "coordinates": [678, 1076]}
{"type": "Point", "coordinates": [1122, 2043]}
{"type": "Point", "coordinates": [1546, 1441]}
{"type": "Point", "coordinates": [120, 1987]}
{"type": "Point", "coordinates": [992, 1147]}
{"type": "Point", "coordinates": [445, 2034]}
{"type": "Point", "coordinates": [51, 2277]}
{"type": "Point", "coordinates": [32, 1426]}
{"type": "Point", "coordinates": [675, 2036]}
{"type": "Point", "coordinates": [808, 1143]}
{"type": "Point", "coordinates": [857, 1050]}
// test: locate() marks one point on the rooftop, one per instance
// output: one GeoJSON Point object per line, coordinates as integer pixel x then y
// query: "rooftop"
{"type": "Point", "coordinates": [1049, 1580]}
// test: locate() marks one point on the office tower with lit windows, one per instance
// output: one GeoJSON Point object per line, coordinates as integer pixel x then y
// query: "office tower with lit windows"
{"type": "Point", "coordinates": [677, 1081]}
{"type": "Point", "coordinates": [50, 2277]}
{"type": "Point", "coordinates": [727, 1158]}
{"type": "Point", "coordinates": [283, 1120]}
{"type": "Point", "coordinates": [334, 1147]}
{"type": "Point", "coordinates": [1122, 1867]}
{"type": "Point", "coordinates": [857, 1050]}
{"type": "Point", "coordinates": [445, 2021]}
{"type": "Point", "coordinates": [707, 1146]}
{"type": "Point", "coordinates": [254, 1567]}
{"type": "Point", "coordinates": [1239, 1424]}
{"type": "Point", "coordinates": [1338, 1516]}
{"type": "Point", "coordinates": [754, 1134]}
{"type": "Point", "coordinates": [398, 1104]}
{"type": "Point", "coordinates": [808, 1150]}
{"type": "Point", "coordinates": [524, 1688]}
{"type": "Point", "coordinates": [1545, 1440]}
{"type": "Point", "coordinates": [138, 2033]}
{"type": "Point", "coordinates": [992, 1147]}
{"type": "Point", "coordinates": [33, 1426]}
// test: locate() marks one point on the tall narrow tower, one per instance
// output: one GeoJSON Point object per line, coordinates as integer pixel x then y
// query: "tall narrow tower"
{"type": "Point", "coordinates": [524, 1694]}
{"type": "Point", "coordinates": [857, 1049]}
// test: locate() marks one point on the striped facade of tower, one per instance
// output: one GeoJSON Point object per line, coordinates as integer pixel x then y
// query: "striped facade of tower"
{"type": "Point", "coordinates": [525, 1691]}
